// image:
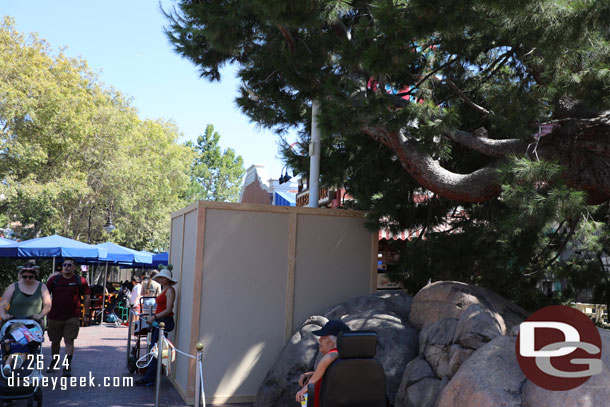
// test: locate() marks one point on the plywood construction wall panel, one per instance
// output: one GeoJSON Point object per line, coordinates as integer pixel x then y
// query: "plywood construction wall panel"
{"type": "Point", "coordinates": [330, 255]}
{"type": "Point", "coordinates": [186, 234]}
{"type": "Point", "coordinates": [249, 276]}
{"type": "Point", "coordinates": [243, 283]}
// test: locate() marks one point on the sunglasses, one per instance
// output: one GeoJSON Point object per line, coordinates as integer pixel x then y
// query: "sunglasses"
{"type": "Point", "coordinates": [28, 277]}
{"type": "Point", "coordinates": [65, 265]}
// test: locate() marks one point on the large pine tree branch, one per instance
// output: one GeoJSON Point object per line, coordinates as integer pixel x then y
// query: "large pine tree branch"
{"type": "Point", "coordinates": [579, 144]}
{"type": "Point", "coordinates": [479, 141]}
{"type": "Point", "coordinates": [478, 186]}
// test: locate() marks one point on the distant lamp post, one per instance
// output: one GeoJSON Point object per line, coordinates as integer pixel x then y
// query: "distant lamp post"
{"type": "Point", "coordinates": [109, 227]}
{"type": "Point", "coordinates": [284, 177]}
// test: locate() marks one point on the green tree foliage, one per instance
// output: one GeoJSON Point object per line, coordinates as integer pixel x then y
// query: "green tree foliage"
{"type": "Point", "coordinates": [438, 99]}
{"type": "Point", "coordinates": [72, 151]}
{"type": "Point", "coordinates": [216, 175]}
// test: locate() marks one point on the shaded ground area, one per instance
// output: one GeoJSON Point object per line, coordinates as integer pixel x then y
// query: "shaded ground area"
{"type": "Point", "coordinates": [101, 354]}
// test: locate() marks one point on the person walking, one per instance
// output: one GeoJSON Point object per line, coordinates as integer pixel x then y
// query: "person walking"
{"type": "Point", "coordinates": [66, 290]}
{"type": "Point", "coordinates": [164, 313]}
{"type": "Point", "coordinates": [134, 297]}
{"type": "Point", "coordinates": [27, 297]}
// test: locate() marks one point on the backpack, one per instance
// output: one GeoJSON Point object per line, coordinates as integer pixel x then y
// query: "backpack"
{"type": "Point", "coordinates": [147, 290]}
{"type": "Point", "coordinates": [111, 318]}
{"type": "Point", "coordinates": [79, 283]}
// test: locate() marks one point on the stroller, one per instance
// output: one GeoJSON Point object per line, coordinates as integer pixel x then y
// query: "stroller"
{"type": "Point", "coordinates": [110, 315]}
{"type": "Point", "coordinates": [140, 330]}
{"type": "Point", "coordinates": [22, 347]}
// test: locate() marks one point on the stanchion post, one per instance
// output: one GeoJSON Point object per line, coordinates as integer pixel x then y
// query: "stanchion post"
{"type": "Point", "coordinates": [129, 333]}
{"type": "Point", "coordinates": [159, 362]}
{"type": "Point", "coordinates": [199, 361]}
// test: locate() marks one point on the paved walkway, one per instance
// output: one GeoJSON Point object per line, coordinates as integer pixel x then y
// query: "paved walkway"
{"type": "Point", "coordinates": [100, 352]}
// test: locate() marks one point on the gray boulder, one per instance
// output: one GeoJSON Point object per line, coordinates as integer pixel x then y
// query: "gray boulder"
{"type": "Point", "coordinates": [595, 392]}
{"type": "Point", "coordinates": [476, 327]}
{"type": "Point", "coordinates": [298, 356]}
{"type": "Point", "coordinates": [416, 370]}
{"type": "Point", "coordinates": [419, 386]}
{"type": "Point", "coordinates": [385, 313]}
{"type": "Point", "coordinates": [449, 299]}
{"type": "Point", "coordinates": [457, 356]}
{"type": "Point", "coordinates": [455, 320]}
{"type": "Point", "coordinates": [447, 343]}
{"type": "Point", "coordinates": [421, 394]}
{"type": "Point", "coordinates": [387, 302]}
{"type": "Point", "coordinates": [435, 341]}
{"type": "Point", "coordinates": [491, 377]}
{"type": "Point", "coordinates": [462, 355]}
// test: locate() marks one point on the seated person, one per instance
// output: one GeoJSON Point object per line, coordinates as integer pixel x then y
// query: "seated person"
{"type": "Point", "coordinates": [16, 351]}
{"type": "Point", "coordinates": [110, 288]}
{"type": "Point", "coordinates": [328, 347]}
{"type": "Point", "coordinates": [15, 355]}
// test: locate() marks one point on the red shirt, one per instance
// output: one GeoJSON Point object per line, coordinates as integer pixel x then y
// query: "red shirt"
{"type": "Point", "coordinates": [318, 385]}
{"type": "Point", "coordinates": [161, 301]}
{"type": "Point", "coordinates": [66, 297]}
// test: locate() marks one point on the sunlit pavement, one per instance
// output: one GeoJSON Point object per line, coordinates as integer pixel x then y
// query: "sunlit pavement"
{"type": "Point", "coordinates": [101, 353]}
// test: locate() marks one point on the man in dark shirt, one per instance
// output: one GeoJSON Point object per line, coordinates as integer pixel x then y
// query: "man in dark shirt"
{"type": "Point", "coordinates": [65, 313]}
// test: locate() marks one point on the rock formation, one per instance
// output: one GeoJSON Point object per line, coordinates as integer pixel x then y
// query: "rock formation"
{"type": "Point", "coordinates": [452, 345]}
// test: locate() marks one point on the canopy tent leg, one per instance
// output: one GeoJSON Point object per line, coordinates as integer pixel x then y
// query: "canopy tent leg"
{"type": "Point", "coordinates": [104, 293]}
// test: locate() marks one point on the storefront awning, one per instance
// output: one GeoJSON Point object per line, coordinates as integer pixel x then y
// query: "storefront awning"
{"type": "Point", "coordinates": [284, 199]}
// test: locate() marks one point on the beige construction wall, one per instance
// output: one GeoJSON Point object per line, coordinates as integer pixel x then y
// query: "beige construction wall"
{"type": "Point", "coordinates": [249, 275]}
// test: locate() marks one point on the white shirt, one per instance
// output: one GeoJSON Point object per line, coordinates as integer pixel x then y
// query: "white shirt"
{"type": "Point", "coordinates": [136, 292]}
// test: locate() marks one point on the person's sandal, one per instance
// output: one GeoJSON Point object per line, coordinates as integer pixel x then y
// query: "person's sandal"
{"type": "Point", "coordinates": [67, 372]}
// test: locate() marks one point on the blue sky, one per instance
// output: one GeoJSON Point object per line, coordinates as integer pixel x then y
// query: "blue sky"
{"type": "Point", "coordinates": [124, 42]}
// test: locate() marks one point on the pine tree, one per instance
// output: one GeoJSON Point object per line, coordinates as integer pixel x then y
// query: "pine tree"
{"type": "Point", "coordinates": [448, 99]}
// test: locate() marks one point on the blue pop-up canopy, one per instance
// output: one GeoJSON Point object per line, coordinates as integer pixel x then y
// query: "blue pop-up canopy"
{"type": "Point", "coordinates": [120, 254]}
{"type": "Point", "coordinates": [160, 258]}
{"type": "Point", "coordinates": [52, 246]}
{"type": "Point", "coordinates": [4, 241]}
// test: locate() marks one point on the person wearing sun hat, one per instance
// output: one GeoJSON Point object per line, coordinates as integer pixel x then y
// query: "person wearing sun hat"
{"type": "Point", "coordinates": [163, 313]}
{"type": "Point", "coordinates": [328, 347]}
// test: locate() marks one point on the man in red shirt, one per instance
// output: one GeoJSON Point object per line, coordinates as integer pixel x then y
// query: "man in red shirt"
{"type": "Point", "coordinates": [64, 318]}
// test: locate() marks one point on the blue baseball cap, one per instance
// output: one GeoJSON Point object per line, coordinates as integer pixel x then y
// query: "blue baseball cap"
{"type": "Point", "coordinates": [332, 327]}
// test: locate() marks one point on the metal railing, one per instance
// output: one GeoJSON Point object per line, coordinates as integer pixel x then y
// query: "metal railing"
{"type": "Point", "coordinates": [161, 345]}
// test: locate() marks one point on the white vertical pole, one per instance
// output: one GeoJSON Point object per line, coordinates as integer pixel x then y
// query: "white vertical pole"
{"type": "Point", "coordinates": [129, 331]}
{"type": "Point", "coordinates": [104, 295]}
{"type": "Point", "coordinates": [314, 154]}
{"type": "Point", "coordinates": [160, 343]}
{"type": "Point", "coordinates": [199, 392]}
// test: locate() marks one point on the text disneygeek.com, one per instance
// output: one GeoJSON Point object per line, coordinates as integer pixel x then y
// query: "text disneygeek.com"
{"type": "Point", "coordinates": [63, 383]}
